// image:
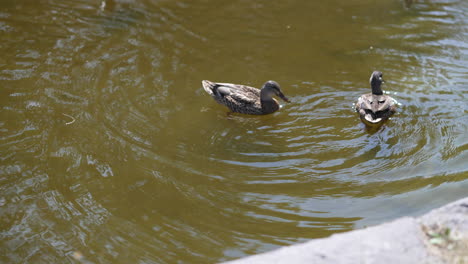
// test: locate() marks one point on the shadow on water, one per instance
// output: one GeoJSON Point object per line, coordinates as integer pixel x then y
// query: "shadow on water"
{"type": "Point", "coordinates": [112, 152]}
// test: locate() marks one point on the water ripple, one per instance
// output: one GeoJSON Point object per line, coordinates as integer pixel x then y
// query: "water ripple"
{"type": "Point", "coordinates": [152, 170]}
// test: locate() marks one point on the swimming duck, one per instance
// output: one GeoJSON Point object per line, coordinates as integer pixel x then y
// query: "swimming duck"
{"type": "Point", "coordinates": [245, 99]}
{"type": "Point", "coordinates": [375, 107]}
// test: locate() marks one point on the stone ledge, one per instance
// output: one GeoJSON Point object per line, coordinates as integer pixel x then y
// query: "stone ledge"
{"type": "Point", "coordinates": [440, 236]}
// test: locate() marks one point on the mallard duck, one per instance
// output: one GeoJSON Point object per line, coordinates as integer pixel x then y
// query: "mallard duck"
{"type": "Point", "coordinates": [375, 107]}
{"type": "Point", "coordinates": [245, 99]}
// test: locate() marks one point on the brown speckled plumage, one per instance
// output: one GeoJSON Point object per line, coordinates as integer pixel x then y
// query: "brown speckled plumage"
{"type": "Point", "coordinates": [375, 107]}
{"type": "Point", "coordinates": [245, 99]}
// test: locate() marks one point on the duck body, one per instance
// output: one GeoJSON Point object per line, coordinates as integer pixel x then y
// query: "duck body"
{"type": "Point", "coordinates": [245, 99]}
{"type": "Point", "coordinates": [375, 108]}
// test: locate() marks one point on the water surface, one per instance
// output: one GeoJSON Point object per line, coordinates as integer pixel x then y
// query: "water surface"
{"type": "Point", "coordinates": [111, 148]}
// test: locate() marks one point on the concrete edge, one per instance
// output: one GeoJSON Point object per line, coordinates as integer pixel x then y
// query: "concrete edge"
{"type": "Point", "coordinates": [440, 236]}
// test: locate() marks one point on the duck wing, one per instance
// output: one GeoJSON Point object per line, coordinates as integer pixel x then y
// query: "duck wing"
{"type": "Point", "coordinates": [232, 92]}
{"type": "Point", "coordinates": [375, 108]}
{"type": "Point", "coordinates": [384, 103]}
{"type": "Point", "coordinates": [244, 94]}
{"type": "Point", "coordinates": [365, 102]}
{"type": "Point", "coordinates": [375, 103]}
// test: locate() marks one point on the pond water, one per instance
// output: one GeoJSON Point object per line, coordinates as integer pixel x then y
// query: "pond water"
{"type": "Point", "coordinates": [111, 151]}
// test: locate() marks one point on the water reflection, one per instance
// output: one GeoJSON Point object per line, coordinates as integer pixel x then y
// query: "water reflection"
{"type": "Point", "coordinates": [153, 170]}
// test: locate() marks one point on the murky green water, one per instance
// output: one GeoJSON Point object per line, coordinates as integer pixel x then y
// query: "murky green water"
{"type": "Point", "coordinates": [152, 170]}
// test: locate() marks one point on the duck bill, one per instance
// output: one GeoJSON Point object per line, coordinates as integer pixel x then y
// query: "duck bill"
{"type": "Point", "coordinates": [281, 95]}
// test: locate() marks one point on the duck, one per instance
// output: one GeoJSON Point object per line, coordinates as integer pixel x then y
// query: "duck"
{"type": "Point", "coordinates": [245, 99]}
{"type": "Point", "coordinates": [375, 108]}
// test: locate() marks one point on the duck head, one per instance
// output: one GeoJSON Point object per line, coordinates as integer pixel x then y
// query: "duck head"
{"type": "Point", "coordinates": [271, 88]}
{"type": "Point", "coordinates": [376, 81]}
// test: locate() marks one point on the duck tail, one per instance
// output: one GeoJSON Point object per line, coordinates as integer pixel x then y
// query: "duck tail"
{"type": "Point", "coordinates": [209, 86]}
